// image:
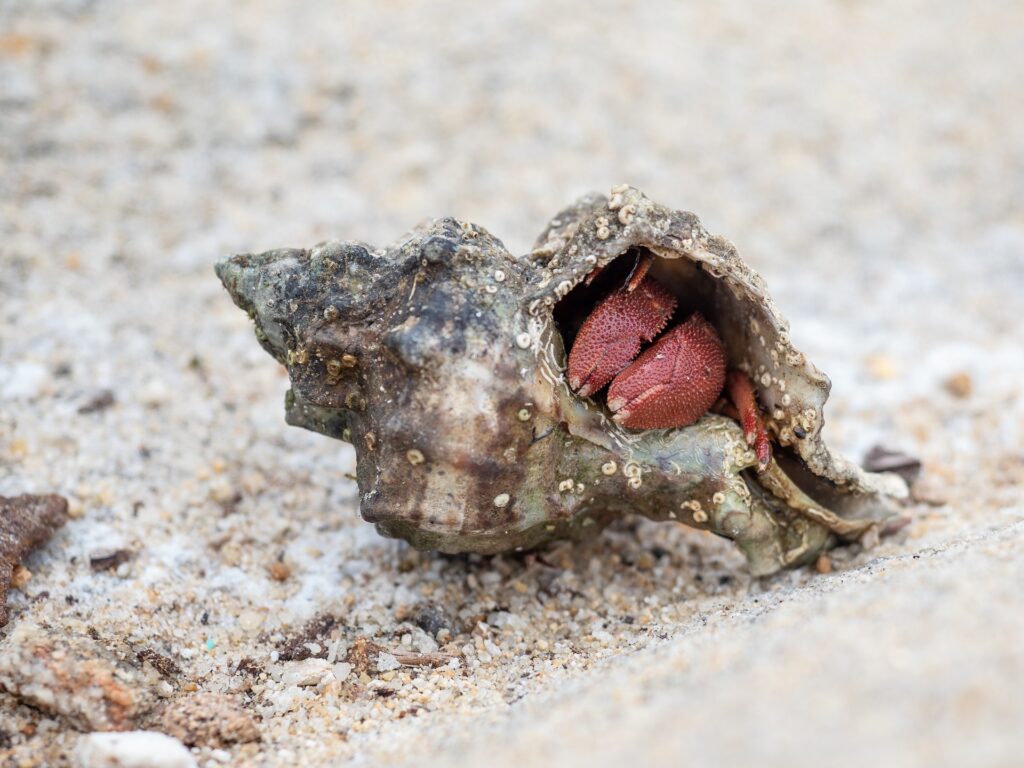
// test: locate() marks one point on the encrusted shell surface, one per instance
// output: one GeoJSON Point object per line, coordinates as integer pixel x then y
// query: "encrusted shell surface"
{"type": "Point", "coordinates": [441, 361]}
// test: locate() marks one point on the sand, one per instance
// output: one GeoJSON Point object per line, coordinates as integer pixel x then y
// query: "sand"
{"type": "Point", "coordinates": [865, 157]}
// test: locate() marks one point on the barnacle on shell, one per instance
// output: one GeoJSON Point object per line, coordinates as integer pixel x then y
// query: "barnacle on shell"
{"type": "Point", "coordinates": [442, 360]}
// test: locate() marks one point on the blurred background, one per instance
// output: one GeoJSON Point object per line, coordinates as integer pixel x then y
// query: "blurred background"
{"type": "Point", "coordinates": [866, 157]}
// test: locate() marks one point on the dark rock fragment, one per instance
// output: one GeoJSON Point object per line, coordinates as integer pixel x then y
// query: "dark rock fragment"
{"type": "Point", "coordinates": [75, 677]}
{"type": "Point", "coordinates": [109, 559]}
{"type": "Point", "coordinates": [26, 522]}
{"type": "Point", "coordinates": [296, 648]}
{"type": "Point", "coordinates": [883, 459]}
{"type": "Point", "coordinates": [96, 401]}
{"type": "Point", "coordinates": [431, 619]}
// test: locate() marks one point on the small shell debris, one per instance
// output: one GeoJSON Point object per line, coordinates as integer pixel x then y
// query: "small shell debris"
{"type": "Point", "coordinates": [306, 672]}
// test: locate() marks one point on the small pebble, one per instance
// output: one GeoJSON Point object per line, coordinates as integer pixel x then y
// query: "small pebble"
{"type": "Point", "coordinates": [929, 490]}
{"type": "Point", "coordinates": [342, 670]}
{"type": "Point", "coordinates": [883, 459]}
{"type": "Point", "coordinates": [959, 385]}
{"type": "Point", "coordinates": [153, 393]}
{"type": "Point", "coordinates": [221, 491]}
{"type": "Point", "coordinates": [306, 672]}
{"type": "Point", "coordinates": [98, 400]}
{"type": "Point", "coordinates": [208, 719]}
{"type": "Point", "coordinates": [250, 621]}
{"type": "Point", "coordinates": [431, 619]}
{"type": "Point", "coordinates": [279, 570]}
{"type": "Point", "coordinates": [132, 749]}
{"type": "Point", "coordinates": [881, 367]}
{"type": "Point", "coordinates": [20, 577]}
{"type": "Point", "coordinates": [23, 381]}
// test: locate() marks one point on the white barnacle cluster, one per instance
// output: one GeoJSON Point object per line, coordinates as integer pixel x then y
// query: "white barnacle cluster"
{"type": "Point", "coordinates": [617, 202]}
{"type": "Point", "coordinates": [562, 289]}
{"type": "Point", "coordinates": [297, 356]}
{"type": "Point", "coordinates": [633, 472]}
{"type": "Point", "coordinates": [696, 510]}
{"type": "Point", "coordinates": [568, 485]}
{"type": "Point", "coordinates": [737, 456]}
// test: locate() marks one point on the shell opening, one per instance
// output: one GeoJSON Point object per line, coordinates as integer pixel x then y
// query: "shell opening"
{"type": "Point", "coordinates": [789, 484]}
{"type": "Point", "coordinates": [695, 291]}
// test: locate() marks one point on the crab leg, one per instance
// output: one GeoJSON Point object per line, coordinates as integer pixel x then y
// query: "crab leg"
{"type": "Point", "coordinates": [726, 408]}
{"type": "Point", "coordinates": [741, 392]}
{"type": "Point", "coordinates": [639, 272]}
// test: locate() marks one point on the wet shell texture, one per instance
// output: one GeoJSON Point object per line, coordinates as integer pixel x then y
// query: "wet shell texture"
{"type": "Point", "coordinates": [443, 361]}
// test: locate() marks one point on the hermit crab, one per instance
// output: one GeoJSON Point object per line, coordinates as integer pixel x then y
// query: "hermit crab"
{"type": "Point", "coordinates": [472, 384]}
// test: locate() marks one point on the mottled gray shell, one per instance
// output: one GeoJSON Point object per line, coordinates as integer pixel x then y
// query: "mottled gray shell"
{"type": "Point", "coordinates": [441, 361]}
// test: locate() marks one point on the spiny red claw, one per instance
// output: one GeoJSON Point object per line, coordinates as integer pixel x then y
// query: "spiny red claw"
{"type": "Point", "coordinates": [611, 336]}
{"type": "Point", "coordinates": [741, 392]}
{"type": "Point", "coordinates": [674, 382]}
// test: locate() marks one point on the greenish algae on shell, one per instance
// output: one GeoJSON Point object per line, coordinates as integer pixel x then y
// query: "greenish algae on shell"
{"type": "Point", "coordinates": [442, 360]}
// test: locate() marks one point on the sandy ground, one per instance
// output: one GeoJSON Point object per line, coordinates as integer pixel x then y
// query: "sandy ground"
{"type": "Point", "coordinates": [866, 157]}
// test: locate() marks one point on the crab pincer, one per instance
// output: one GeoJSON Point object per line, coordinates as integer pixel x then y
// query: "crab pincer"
{"type": "Point", "coordinates": [612, 335]}
{"type": "Point", "coordinates": [674, 382]}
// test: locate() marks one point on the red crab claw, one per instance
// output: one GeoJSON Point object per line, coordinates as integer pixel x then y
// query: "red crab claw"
{"type": "Point", "coordinates": [741, 391]}
{"type": "Point", "coordinates": [611, 336]}
{"type": "Point", "coordinates": [674, 381]}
